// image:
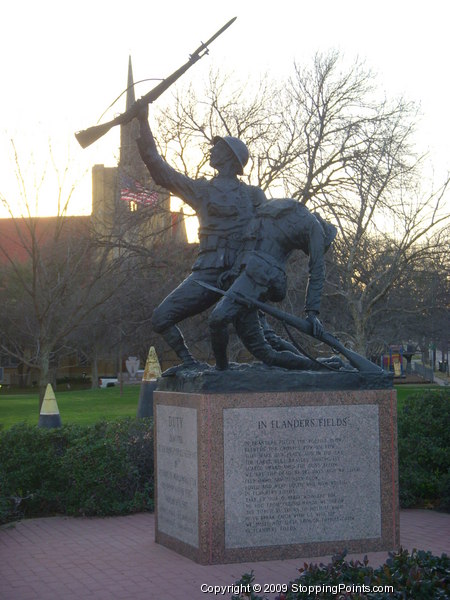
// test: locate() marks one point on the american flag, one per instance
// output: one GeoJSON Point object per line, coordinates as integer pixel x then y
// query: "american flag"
{"type": "Point", "coordinates": [132, 191]}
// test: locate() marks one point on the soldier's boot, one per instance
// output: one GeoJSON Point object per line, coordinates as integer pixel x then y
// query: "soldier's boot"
{"type": "Point", "coordinates": [175, 339]}
{"type": "Point", "coordinates": [263, 351]}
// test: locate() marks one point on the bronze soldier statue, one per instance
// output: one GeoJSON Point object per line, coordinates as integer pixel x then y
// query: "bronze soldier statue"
{"type": "Point", "coordinates": [224, 206]}
{"type": "Point", "coordinates": [280, 227]}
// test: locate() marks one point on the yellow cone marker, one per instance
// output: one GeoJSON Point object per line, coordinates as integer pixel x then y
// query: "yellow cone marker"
{"type": "Point", "coordinates": [49, 416]}
{"type": "Point", "coordinates": [152, 367]}
{"type": "Point", "coordinates": [151, 373]}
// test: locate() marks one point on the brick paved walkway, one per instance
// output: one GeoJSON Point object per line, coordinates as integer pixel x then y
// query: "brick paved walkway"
{"type": "Point", "coordinates": [116, 558]}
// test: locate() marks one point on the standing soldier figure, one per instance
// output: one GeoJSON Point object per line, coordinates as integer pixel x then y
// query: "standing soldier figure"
{"type": "Point", "coordinates": [224, 207]}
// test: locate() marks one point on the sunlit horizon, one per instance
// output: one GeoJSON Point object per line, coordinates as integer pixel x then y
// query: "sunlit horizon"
{"type": "Point", "coordinates": [57, 82]}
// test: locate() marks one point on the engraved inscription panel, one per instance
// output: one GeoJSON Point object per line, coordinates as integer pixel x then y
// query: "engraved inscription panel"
{"type": "Point", "coordinates": [177, 472]}
{"type": "Point", "coordinates": [301, 474]}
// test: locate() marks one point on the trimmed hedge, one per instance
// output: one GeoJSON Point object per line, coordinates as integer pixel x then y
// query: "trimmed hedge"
{"type": "Point", "coordinates": [424, 450]}
{"type": "Point", "coordinates": [104, 469]}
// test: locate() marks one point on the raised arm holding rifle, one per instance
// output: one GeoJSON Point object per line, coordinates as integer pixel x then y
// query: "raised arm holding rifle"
{"type": "Point", "coordinates": [224, 206]}
{"type": "Point", "coordinates": [88, 136]}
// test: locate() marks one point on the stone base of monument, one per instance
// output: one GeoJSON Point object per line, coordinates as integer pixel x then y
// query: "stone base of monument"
{"type": "Point", "coordinates": [272, 475]}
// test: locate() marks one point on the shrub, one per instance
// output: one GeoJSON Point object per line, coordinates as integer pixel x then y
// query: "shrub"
{"type": "Point", "coordinates": [418, 575]}
{"type": "Point", "coordinates": [107, 474]}
{"type": "Point", "coordinates": [104, 469]}
{"type": "Point", "coordinates": [31, 479]}
{"type": "Point", "coordinates": [424, 450]}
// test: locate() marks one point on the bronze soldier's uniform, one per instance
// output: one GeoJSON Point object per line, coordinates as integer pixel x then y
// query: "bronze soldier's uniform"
{"type": "Point", "coordinates": [280, 227]}
{"type": "Point", "coordinates": [224, 207]}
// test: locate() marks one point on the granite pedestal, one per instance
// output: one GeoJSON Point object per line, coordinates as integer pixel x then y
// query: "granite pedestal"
{"type": "Point", "coordinates": [272, 475]}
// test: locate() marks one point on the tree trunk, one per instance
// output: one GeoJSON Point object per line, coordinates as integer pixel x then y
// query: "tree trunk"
{"type": "Point", "coordinates": [94, 368]}
{"type": "Point", "coordinates": [44, 374]}
{"type": "Point", "coordinates": [360, 339]}
{"type": "Point", "coordinates": [360, 334]}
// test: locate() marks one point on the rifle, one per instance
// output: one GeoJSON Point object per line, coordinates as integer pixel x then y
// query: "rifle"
{"type": "Point", "coordinates": [356, 360]}
{"type": "Point", "coordinates": [86, 137]}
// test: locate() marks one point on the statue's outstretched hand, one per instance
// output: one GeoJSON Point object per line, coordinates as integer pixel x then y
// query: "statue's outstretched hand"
{"type": "Point", "coordinates": [141, 107]}
{"type": "Point", "coordinates": [318, 328]}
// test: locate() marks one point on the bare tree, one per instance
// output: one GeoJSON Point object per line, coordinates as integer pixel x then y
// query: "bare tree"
{"type": "Point", "coordinates": [53, 277]}
{"type": "Point", "coordinates": [330, 139]}
{"type": "Point", "coordinates": [226, 107]}
{"type": "Point", "coordinates": [387, 227]}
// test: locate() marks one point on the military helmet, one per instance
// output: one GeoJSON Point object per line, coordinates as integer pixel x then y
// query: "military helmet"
{"type": "Point", "coordinates": [238, 148]}
{"type": "Point", "coordinates": [329, 231]}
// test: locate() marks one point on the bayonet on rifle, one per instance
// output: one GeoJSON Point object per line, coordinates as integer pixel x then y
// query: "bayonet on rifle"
{"type": "Point", "coordinates": [86, 137]}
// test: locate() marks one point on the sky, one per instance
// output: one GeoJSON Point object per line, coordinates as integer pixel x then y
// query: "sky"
{"type": "Point", "coordinates": [63, 63]}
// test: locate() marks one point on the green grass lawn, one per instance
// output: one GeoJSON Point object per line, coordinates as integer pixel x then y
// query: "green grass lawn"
{"type": "Point", "coordinates": [403, 391]}
{"type": "Point", "coordinates": [406, 390]}
{"type": "Point", "coordinates": [85, 407]}
{"type": "Point", "coordinates": [82, 407]}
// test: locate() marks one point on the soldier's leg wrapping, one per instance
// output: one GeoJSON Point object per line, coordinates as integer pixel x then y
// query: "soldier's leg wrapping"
{"type": "Point", "coordinates": [277, 342]}
{"type": "Point", "coordinates": [187, 300]}
{"type": "Point", "coordinates": [220, 318]}
{"type": "Point", "coordinates": [249, 329]}
{"type": "Point", "coordinates": [227, 311]}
